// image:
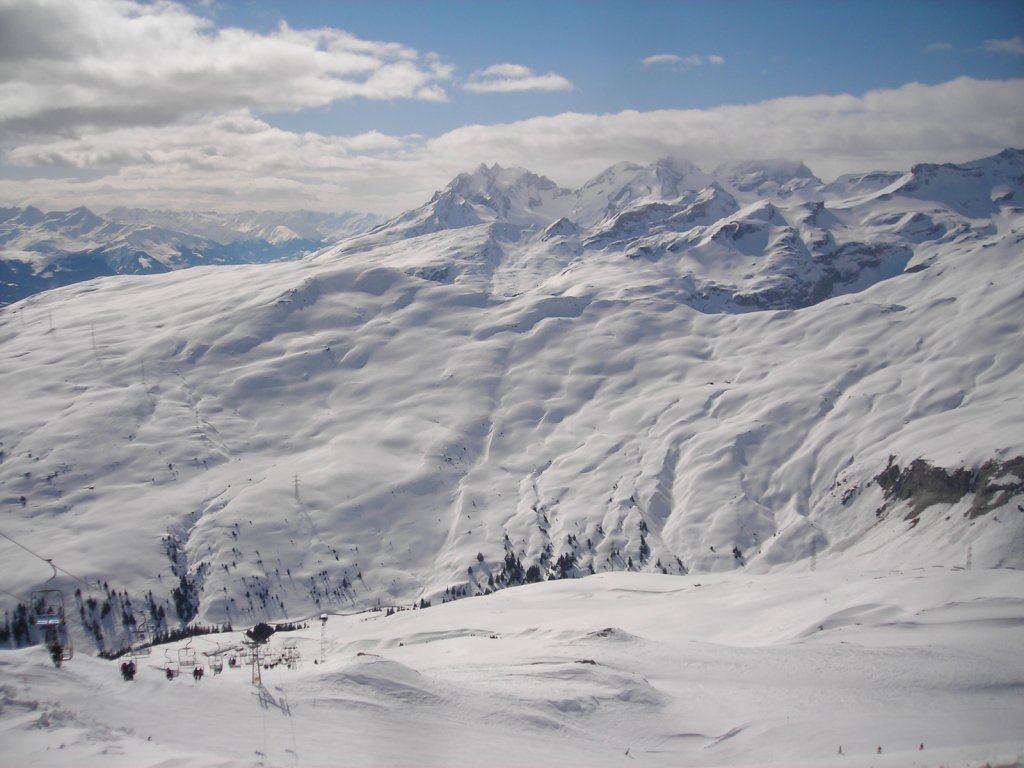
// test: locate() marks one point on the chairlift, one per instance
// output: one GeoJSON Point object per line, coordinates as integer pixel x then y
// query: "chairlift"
{"type": "Point", "coordinates": [291, 656]}
{"type": "Point", "coordinates": [216, 659]}
{"type": "Point", "coordinates": [48, 615]}
{"type": "Point", "coordinates": [171, 666]}
{"type": "Point", "coordinates": [187, 655]}
{"type": "Point", "coordinates": [140, 644]}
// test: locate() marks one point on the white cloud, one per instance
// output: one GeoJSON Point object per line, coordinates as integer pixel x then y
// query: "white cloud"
{"type": "Point", "coordinates": [70, 64]}
{"type": "Point", "coordinates": [940, 46]}
{"type": "Point", "coordinates": [883, 129]}
{"type": "Point", "coordinates": [236, 160]}
{"type": "Point", "coordinates": [507, 70]}
{"type": "Point", "coordinates": [514, 78]}
{"type": "Point", "coordinates": [662, 58]}
{"type": "Point", "coordinates": [693, 60]}
{"type": "Point", "coordinates": [1013, 46]}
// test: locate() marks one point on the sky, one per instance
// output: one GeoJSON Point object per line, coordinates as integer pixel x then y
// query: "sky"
{"type": "Point", "coordinates": [372, 105]}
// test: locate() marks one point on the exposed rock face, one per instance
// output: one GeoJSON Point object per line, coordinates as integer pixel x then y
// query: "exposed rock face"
{"type": "Point", "coordinates": [995, 484]}
{"type": "Point", "coordinates": [923, 485]}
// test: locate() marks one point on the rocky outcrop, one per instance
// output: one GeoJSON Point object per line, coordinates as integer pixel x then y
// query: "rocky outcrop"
{"type": "Point", "coordinates": [996, 482]}
{"type": "Point", "coordinates": [922, 485]}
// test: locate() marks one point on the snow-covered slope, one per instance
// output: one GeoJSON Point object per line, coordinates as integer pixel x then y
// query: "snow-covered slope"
{"type": "Point", "coordinates": [409, 417]}
{"type": "Point", "coordinates": [918, 669]}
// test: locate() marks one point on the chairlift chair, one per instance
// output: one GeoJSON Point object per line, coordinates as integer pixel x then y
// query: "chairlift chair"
{"type": "Point", "coordinates": [216, 659]}
{"type": "Point", "coordinates": [48, 616]}
{"type": "Point", "coordinates": [140, 642]}
{"type": "Point", "coordinates": [187, 655]}
{"type": "Point", "coordinates": [171, 667]}
{"type": "Point", "coordinates": [291, 656]}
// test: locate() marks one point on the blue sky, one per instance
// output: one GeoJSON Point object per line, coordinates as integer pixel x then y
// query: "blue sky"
{"type": "Point", "coordinates": [372, 105]}
{"type": "Point", "coordinates": [770, 49]}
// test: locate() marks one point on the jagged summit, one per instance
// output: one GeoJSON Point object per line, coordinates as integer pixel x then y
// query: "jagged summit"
{"type": "Point", "coordinates": [625, 184]}
{"type": "Point", "coordinates": [487, 195]}
{"type": "Point", "coordinates": [493, 194]}
{"type": "Point", "coordinates": [768, 177]}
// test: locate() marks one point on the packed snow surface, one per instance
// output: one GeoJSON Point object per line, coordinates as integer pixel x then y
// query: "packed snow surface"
{"type": "Point", "coordinates": [911, 669]}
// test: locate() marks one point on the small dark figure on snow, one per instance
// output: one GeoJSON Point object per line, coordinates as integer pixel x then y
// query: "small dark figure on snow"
{"type": "Point", "coordinates": [170, 673]}
{"type": "Point", "coordinates": [124, 671]}
{"type": "Point", "coordinates": [197, 674]}
{"type": "Point", "coordinates": [56, 653]}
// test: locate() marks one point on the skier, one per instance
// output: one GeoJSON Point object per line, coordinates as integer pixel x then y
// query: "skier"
{"type": "Point", "coordinates": [56, 653]}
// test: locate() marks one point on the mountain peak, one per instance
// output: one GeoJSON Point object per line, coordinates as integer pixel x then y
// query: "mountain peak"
{"type": "Point", "coordinates": [975, 189]}
{"type": "Point", "coordinates": [767, 177]}
{"type": "Point", "coordinates": [493, 193]}
{"type": "Point", "coordinates": [488, 179]}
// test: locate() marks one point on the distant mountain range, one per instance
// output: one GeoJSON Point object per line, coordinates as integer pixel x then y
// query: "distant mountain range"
{"type": "Point", "coordinates": [41, 250]}
{"type": "Point", "coordinates": [748, 236]}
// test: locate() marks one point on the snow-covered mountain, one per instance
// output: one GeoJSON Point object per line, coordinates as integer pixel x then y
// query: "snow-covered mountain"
{"type": "Point", "coordinates": [41, 250]}
{"type": "Point", "coordinates": [665, 371]}
{"type": "Point", "coordinates": [749, 236]}
{"type": "Point", "coordinates": [273, 226]}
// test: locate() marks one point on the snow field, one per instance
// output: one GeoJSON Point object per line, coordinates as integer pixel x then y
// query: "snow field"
{"type": "Point", "coordinates": [715, 670]}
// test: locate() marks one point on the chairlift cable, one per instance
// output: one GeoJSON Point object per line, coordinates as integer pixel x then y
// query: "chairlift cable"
{"type": "Point", "coordinates": [50, 562]}
{"type": "Point", "coordinates": [19, 599]}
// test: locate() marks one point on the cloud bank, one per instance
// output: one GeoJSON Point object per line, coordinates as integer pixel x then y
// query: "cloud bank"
{"type": "Point", "coordinates": [72, 65]}
{"type": "Point", "coordinates": [237, 160]}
